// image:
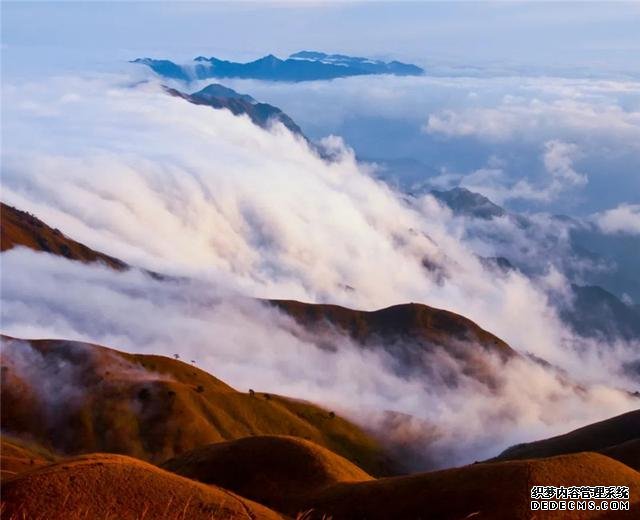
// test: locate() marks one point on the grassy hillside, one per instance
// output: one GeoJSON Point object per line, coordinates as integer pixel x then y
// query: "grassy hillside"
{"type": "Point", "coordinates": [496, 491]}
{"type": "Point", "coordinates": [617, 437]}
{"type": "Point", "coordinates": [18, 456]}
{"type": "Point", "coordinates": [414, 321]}
{"type": "Point", "coordinates": [152, 407]}
{"type": "Point", "coordinates": [277, 471]}
{"type": "Point", "coordinates": [19, 228]}
{"type": "Point", "coordinates": [101, 487]}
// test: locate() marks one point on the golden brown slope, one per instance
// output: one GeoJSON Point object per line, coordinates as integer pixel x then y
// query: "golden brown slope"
{"type": "Point", "coordinates": [489, 491]}
{"type": "Point", "coordinates": [277, 471]}
{"type": "Point", "coordinates": [104, 486]}
{"type": "Point", "coordinates": [19, 228]}
{"type": "Point", "coordinates": [617, 437]}
{"type": "Point", "coordinates": [415, 321]}
{"type": "Point", "coordinates": [17, 456]}
{"type": "Point", "coordinates": [78, 398]}
{"type": "Point", "coordinates": [413, 334]}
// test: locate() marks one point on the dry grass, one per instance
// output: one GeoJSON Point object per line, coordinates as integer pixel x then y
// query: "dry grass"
{"type": "Point", "coordinates": [310, 514]}
{"type": "Point", "coordinates": [616, 437]}
{"type": "Point", "coordinates": [278, 471]}
{"type": "Point", "coordinates": [88, 514]}
{"type": "Point", "coordinates": [107, 487]}
{"type": "Point", "coordinates": [20, 228]}
{"type": "Point", "coordinates": [499, 491]}
{"type": "Point", "coordinates": [176, 407]}
{"type": "Point", "coordinates": [119, 488]}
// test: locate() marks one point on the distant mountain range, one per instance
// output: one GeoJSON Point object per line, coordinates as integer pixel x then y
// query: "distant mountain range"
{"type": "Point", "coordinates": [595, 310]}
{"type": "Point", "coordinates": [301, 66]}
{"type": "Point", "coordinates": [219, 96]}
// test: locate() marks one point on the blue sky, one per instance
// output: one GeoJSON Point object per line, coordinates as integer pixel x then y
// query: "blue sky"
{"type": "Point", "coordinates": [552, 36]}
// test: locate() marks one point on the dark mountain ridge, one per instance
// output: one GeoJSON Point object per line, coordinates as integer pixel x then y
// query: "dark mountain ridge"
{"type": "Point", "coordinates": [464, 202]}
{"type": "Point", "coordinates": [19, 228]}
{"type": "Point", "coordinates": [301, 66]}
{"type": "Point", "coordinates": [221, 97]}
{"type": "Point", "coordinates": [617, 437]}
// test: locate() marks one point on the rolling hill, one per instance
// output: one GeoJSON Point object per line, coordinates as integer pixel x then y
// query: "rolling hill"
{"type": "Point", "coordinates": [18, 456]}
{"type": "Point", "coordinates": [102, 486]}
{"type": "Point", "coordinates": [415, 322]}
{"type": "Point", "coordinates": [290, 476]}
{"type": "Point", "coordinates": [617, 437]}
{"type": "Point", "coordinates": [413, 334]}
{"type": "Point", "coordinates": [493, 491]}
{"type": "Point", "coordinates": [256, 455]}
{"type": "Point", "coordinates": [277, 471]}
{"type": "Point", "coordinates": [74, 397]}
{"type": "Point", "coordinates": [286, 477]}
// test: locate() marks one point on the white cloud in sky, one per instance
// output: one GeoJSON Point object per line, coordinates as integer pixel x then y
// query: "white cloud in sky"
{"type": "Point", "coordinates": [558, 160]}
{"type": "Point", "coordinates": [526, 118]}
{"type": "Point", "coordinates": [496, 182]}
{"type": "Point", "coordinates": [489, 108]}
{"type": "Point", "coordinates": [457, 124]}
{"type": "Point", "coordinates": [622, 219]}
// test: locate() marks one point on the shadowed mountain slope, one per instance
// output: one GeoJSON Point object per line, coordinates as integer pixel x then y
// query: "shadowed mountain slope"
{"type": "Point", "coordinates": [597, 313]}
{"type": "Point", "coordinates": [618, 437]}
{"type": "Point", "coordinates": [18, 456]}
{"type": "Point", "coordinates": [601, 266]}
{"type": "Point", "coordinates": [74, 397]}
{"type": "Point", "coordinates": [626, 452]}
{"type": "Point", "coordinates": [415, 320]}
{"type": "Point", "coordinates": [101, 486]}
{"type": "Point", "coordinates": [19, 228]}
{"type": "Point", "coordinates": [220, 97]}
{"type": "Point", "coordinates": [280, 472]}
{"type": "Point", "coordinates": [414, 335]}
{"type": "Point", "coordinates": [464, 202]}
{"type": "Point", "coordinates": [493, 491]}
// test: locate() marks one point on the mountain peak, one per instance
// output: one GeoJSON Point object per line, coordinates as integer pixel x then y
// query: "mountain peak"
{"type": "Point", "coordinates": [269, 60]}
{"type": "Point", "coordinates": [300, 66]}
{"type": "Point", "coordinates": [465, 202]}
{"type": "Point", "coordinates": [220, 97]}
{"type": "Point", "coordinates": [220, 91]}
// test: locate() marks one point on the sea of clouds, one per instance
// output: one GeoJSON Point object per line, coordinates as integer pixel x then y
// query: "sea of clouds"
{"type": "Point", "coordinates": [551, 143]}
{"type": "Point", "coordinates": [236, 211]}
